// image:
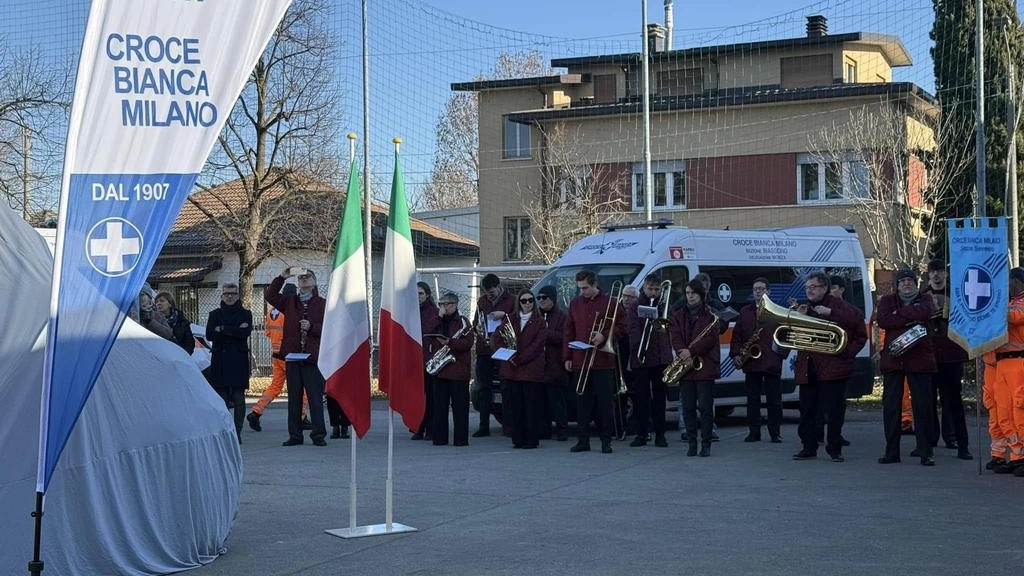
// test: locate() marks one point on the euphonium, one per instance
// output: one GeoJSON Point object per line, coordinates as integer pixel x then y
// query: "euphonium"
{"type": "Point", "coordinates": [800, 331]}
{"type": "Point", "coordinates": [679, 367]}
{"type": "Point", "coordinates": [444, 356]}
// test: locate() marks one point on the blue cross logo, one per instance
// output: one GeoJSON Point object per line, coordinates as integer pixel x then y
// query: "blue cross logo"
{"type": "Point", "coordinates": [977, 284]}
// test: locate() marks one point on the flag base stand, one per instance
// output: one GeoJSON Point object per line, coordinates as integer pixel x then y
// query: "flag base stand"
{"type": "Point", "coordinates": [370, 530]}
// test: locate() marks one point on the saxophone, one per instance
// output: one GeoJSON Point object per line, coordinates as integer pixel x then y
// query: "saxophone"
{"type": "Point", "coordinates": [679, 367]}
{"type": "Point", "coordinates": [750, 349]}
{"type": "Point", "coordinates": [444, 356]}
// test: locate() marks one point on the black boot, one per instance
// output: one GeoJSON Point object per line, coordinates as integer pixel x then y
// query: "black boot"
{"type": "Point", "coordinates": [254, 421]}
{"type": "Point", "coordinates": [335, 432]}
{"type": "Point", "coordinates": [963, 453]}
{"type": "Point", "coordinates": [344, 432]}
{"type": "Point", "coordinates": [692, 451]}
{"type": "Point", "coordinates": [705, 449]}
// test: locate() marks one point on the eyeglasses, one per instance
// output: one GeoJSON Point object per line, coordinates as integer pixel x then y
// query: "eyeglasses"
{"type": "Point", "coordinates": [305, 276]}
{"type": "Point", "coordinates": [526, 300]}
{"type": "Point", "coordinates": [229, 293]}
{"type": "Point", "coordinates": [542, 297]}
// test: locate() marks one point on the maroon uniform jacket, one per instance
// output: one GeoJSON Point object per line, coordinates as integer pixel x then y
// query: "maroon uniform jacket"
{"type": "Point", "coordinates": [659, 351]}
{"type": "Point", "coordinates": [684, 329]}
{"type": "Point", "coordinates": [849, 318]}
{"type": "Point", "coordinates": [554, 366]}
{"type": "Point", "coordinates": [506, 303]}
{"type": "Point", "coordinates": [580, 322]}
{"type": "Point", "coordinates": [460, 348]}
{"type": "Point", "coordinates": [746, 325]}
{"type": "Point", "coordinates": [430, 323]}
{"type": "Point", "coordinates": [528, 363]}
{"type": "Point", "coordinates": [291, 306]}
{"type": "Point", "coordinates": [945, 349]}
{"type": "Point", "coordinates": [895, 318]}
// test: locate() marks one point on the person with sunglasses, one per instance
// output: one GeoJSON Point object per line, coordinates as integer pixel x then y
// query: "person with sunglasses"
{"type": "Point", "coordinates": [555, 376]}
{"type": "Point", "coordinates": [228, 329]}
{"type": "Point", "coordinates": [523, 374]}
{"type": "Point", "coordinates": [822, 377]}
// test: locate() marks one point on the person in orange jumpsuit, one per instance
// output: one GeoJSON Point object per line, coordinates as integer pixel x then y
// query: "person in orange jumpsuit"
{"type": "Point", "coordinates": [998, 443]}
{"type": "Point", "coordinates": [274, 321]}
{"type": "Point", "coordinates": [1009, 386]}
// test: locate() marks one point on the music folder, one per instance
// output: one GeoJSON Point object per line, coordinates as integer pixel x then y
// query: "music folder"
{"type": "Point", "coordinates": [296, 356]}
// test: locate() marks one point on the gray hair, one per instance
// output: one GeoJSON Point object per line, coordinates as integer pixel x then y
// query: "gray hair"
{"type": "Point", "coordinates": [449, 297]}
{"type": "Point", "coordinates": [228, 285]}
{"type": "Point", "coordinates": [630, 291]}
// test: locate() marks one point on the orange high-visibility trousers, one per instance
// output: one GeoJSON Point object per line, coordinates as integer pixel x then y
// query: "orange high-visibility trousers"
{"type": "Point", "coordinates": [990, 398]}
{"type": "Point", "coordinates": [1010, 390]}
{"type": "Point", "coordinates": [277, 381]}
{"type": "Point", "coordinates": [907, 418]}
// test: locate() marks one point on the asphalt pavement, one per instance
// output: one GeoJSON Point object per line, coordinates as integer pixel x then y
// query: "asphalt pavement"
{"type": "Point", "coordinates": [748, 509]}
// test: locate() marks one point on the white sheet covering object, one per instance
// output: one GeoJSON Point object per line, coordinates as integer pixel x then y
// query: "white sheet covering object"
{"type": "Point", "coordinates": [150, 479]}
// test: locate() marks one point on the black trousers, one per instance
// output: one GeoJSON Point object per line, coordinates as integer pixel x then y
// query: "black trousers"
{"type": "Point", "coordinates": [822, 397]}
{"type": "Point", "coordinates": [454, 393]}
{"type": "Point", "coordinates": [698, 393]}
{"type": "Point", "coordinates": [556, 408]}
{"type": "Point", "coordinates": [922, 404]}
{"type": "Point", "coordinates": [771, 386]}
{"type": "Point", "coordinates": [948, 382]}
{"type": "Point", "coordinates": [335, 414]}
{"type": "Point", "coordinates": [428, 406]}
{"type": "Point", "coordinates": [305, 377]}
{"type": "Point", "coordinates": [486, 368]}
{"type": "Point", "coordinates": [596, 404]}
{"type": "Point", "coordinates": [234, 399]}
{"type": "Point", "coordinates": [649, 400]}
{"type": "Point", "coordinates": [524, 411]}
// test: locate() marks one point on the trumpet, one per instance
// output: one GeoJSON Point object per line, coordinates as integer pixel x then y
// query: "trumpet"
{"type": "Point", "coordinates": [600, 323]}
{"type": "Point", "coordinates": [661, 323]}
{"type": "Point", "coordinates": [444, 356]}
{"type": "Point", "coordinates": [679, 367]}
{"type": "Point", "coordinates": [800, 331]}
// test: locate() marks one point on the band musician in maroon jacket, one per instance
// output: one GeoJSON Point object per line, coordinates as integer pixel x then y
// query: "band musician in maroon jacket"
{"type": "Point", "coordinates": [761, 374]}
{"type": "Point", "coordinates": [695, 335]}
{"type": "Point", "coordinates": [587, 312]}
{"type": "Point", "coordinates": [451, 383]}
{"type": "Point", "coordinates": [523, 374]}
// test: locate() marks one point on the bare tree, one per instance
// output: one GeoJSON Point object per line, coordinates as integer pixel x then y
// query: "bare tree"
{"type": "Point", "coordinates": [577, 195]}
{"type": "Point", "coordinates": [885, 161]}
{"type": "Point", "coordinates": [275, 153]}
{"type": "Point", "coordinates": [456, 170]}
{"type": "Point", "coordinates": [34, 99]}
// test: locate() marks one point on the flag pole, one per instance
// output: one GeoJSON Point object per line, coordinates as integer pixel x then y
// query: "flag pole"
{"type": "Point", "coordinates": [353, 493]}
{"type": "Point", "coordinates": [389, 483]}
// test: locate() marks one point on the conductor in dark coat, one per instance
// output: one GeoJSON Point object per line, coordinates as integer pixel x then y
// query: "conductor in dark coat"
{"type": "Point", "coordinates": [228, 329]}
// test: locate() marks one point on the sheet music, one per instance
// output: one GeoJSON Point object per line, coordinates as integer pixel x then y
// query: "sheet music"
{"type": "Point", "coordinates": [580, 345]}
{"type": "Point", "coordinates": [503, 354]}
{"type": "Point", "coordinates": [296, 356]}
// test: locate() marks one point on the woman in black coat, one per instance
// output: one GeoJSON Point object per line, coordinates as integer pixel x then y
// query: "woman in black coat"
{"type": "Point", "coordinates": [179, 324]}
{"type": "Point", "coordinates": [228, 330]}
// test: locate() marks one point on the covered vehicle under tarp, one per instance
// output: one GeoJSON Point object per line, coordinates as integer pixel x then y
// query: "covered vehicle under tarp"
{"type": "Point", "coordinates": [150, 478]}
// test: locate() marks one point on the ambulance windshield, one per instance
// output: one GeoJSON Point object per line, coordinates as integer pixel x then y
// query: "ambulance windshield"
{"type": "Point", "coordinates": [563, 278]}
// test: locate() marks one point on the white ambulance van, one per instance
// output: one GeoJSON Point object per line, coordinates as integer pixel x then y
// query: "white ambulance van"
{"type": "Point", "coordinates": [733, 259]}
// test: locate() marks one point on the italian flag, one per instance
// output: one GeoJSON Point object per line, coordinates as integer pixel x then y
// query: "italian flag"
{"type": "Point", "coordinates": [345, 337]}
{"type": "Point", "coordinates": [401, 356]}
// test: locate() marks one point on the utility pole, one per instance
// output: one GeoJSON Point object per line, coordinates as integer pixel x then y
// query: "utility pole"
{"type": "Point", "coordinates": [648, 177]}
{"type": "Point", "coordinates": [24, 173]}
{"type": "Point", "coordinates": [1011, 166]}
{"type": "Point", "coordinates": [979, 138]}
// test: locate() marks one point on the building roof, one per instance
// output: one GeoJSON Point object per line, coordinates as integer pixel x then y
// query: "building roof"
{"type": "Point", "coordinates": [183, 270]}
{"type": "Point", "coordinates": [730, 97]}
{"type": "Point", "coordinates": [193, 231]}
{"type": "Point", "coordinates": [520, 82]}
{"type": "Point", "coordinates": [891, 46]}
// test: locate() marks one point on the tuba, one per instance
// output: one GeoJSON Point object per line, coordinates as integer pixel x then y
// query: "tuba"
{"type": "Point", "coordinates": [679, 367]}
{"type": "Point", "coordinates": [444, 356]}
{"type": "Point", "coordinates": [800, 331]}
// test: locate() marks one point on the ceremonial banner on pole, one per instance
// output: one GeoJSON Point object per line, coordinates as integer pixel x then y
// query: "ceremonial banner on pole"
{"type": "Point", "coordinates": [979, 283]}
{"type": "Point", "coordinates": [401, 352]}
{"type": "Point", "coordinates": [156, 81]}
{"type": "Point", "coordinates": [345, 339]}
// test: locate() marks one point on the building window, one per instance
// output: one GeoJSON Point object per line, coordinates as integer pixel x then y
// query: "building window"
{"type": "Point", "coordinates": [681, 82]}
{"type": "Point", "coordinates": [851, 71]}
{"type": "Point", "coordinates": [517, 238]}
{"type": "Point", "coordinates": [669, 185]}
{"type": "Point", "coordinates": [830, 178]}
{"type": "Point", "coordinates": [517, 140]}
{"type": "Point", "coordinates": [575, 184]}
{"type": "Point", "coordinates": [806, 71]}
{"type": "Point", "coordinates": [604, 89]}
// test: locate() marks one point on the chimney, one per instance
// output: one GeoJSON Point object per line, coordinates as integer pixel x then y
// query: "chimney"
{"type": "Point", "coordinates": [817, 26]}
{"type": "Point", "coordinates": [669, 25]}
{"type": "Point", "coordinates": [655, 38]}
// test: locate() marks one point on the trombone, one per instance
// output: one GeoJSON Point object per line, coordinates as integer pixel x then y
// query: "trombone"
{"type": "Point", "coordinates": [599, 326]}
{"type": "Point", "coordinates": [661, 323]}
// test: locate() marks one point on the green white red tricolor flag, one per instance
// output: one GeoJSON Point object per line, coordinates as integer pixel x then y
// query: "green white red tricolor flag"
{"type": "Point", "coordinates": [401, 357]}
{"type": "Point", "coordinates": [345, 339]}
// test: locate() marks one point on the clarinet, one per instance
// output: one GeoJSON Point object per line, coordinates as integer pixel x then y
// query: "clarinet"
{"type": "Point", "coordinates": [302, 333]}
